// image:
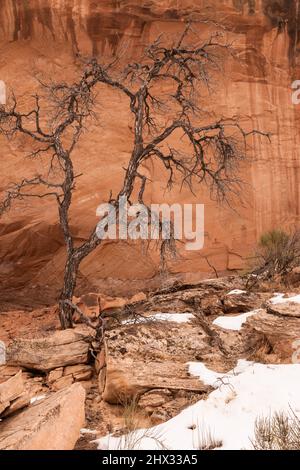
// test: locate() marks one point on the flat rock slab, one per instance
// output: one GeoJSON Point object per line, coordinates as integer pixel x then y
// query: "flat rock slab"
{"type": "Point", "coordinates": [126, 379]}
{"type": "Point", "coordinates": [287, 309]}
{"type": "Point", "coordinates": [10, 390]}
{"type": "Point", "coordinates": [62, 348]}
{"type": "Point", "coordinates": [52, 424]}
{"type": "Point", "coordinates": [21, 402]}
{"type": "Point", "coordinates": [282, 331]}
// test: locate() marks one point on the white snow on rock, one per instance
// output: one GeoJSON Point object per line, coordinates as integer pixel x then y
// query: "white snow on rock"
{"type": "Point", "coordinates": [173, 317]}
{"type": "Point", "coordinates": [88, 431]}
{"type": "Point", "coordinates": [242, 395]}
{"type": "Point", "coordinates": [2, 353]}
{"type": "Point", "coordinates": [237, 292]}
{"type": "Point", "coordinates": [280, 299]}
{"type": "Point", "coordinates": [37, 398]}
{"type": "Point", "coordinates": [234, 322]}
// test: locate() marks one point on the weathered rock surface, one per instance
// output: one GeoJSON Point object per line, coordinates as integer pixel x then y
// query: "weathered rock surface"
{"type": "Point", "coordinates": [93, 304]}
{"type": "Point", "coordinates": [47, 36]}
{"type": "Point", "coordinates": [280, 324]}
{"type": "Point", "coordinates": [12, 388]}
{"type": "Point", "coordinates": [52, 424]}
{"type": "Point", "coordinates": [55, 374]}
{"type": "Point", "coordinates": [210, 297]}
{"type": "Point", "coordinates": [79, 372]}
{"type": "Point", "coordinates": [241, 302]}
{"type": "Point", "coordinates": [62, 348]}
{"type": "Point", "coordinates": [142, 357]}
{"type": "Point", "coordinates": [127, 379]}
{"type": "Point", "coordinates": [286, 309]}
{"type": "Point", "coordinates": [64, 377]}
{"type": "Point", "coordinates": [157, 341]}
{"type": "Point", "coordinates": [12, 394]}
{"type": "Point", "coordinates": [19, 403]}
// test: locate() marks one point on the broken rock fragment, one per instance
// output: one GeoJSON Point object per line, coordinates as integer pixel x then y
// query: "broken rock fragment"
{"type": "Point", "coordinates": [51, 424]}
{"type": "Point", "coordinates": [62, 348]}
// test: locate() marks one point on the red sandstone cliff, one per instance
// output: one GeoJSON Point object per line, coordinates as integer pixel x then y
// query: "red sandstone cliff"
{"type": "Point", "coordinates": [46, 36]}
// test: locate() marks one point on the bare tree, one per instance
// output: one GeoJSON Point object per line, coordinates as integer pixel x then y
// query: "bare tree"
{"type": "Point", "coordinates": [205, 152]}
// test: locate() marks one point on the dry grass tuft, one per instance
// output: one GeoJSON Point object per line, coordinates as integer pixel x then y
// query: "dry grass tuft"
{"type": "Point", "coordinates": [281, 431]}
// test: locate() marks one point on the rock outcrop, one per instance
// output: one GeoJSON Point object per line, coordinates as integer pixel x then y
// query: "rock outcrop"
{"type": "Point", "coordinates": [150, 356]}
{"type": "Point", "coordinates": [127, 380]}
{"type": "Point", "coordinates": [52, 424]}
{"type": "Point", "coordinates": [280, 324]}
{"type": "Point", "coordinates": [62, 348]}
{"type": "Point", "coordinates": [13, 395]}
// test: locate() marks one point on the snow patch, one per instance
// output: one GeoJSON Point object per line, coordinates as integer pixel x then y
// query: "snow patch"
{"type": "Point", "coordinates": [234, 322]}
{"type": "Point", "coordinates": [88, 431]}
{"type": "Point", "coordinates": [237, 292]}
{"type": "Point", "coordinates": [242, 395]}
{"type": "Point", "coordinates": [37, 398]}
{"type": "Point", "coordinates": [280, 299]}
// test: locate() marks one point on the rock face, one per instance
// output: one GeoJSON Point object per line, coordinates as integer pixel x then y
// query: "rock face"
{"type": "Point", "coordinates": [13, 395]}
{"type": "Point", "coordinates": [53, 424]}
{"type": "Point", "coordinates": [63, 348]}
{"type": "Point", "coordinates": [46, 37]}
{"type": "Point", "coordinates": [280, 324]}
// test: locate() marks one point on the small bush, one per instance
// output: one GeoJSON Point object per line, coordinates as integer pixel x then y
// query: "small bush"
{"type": "Point", "coordinates": [278, 432]}
{"type": "Point", "coordinates": [278, 253]}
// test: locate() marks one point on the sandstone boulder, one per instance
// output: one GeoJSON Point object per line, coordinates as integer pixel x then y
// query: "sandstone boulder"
{"type": "Point", "coordinates": [89, 304]}
{"type": "Point", "coordinates": [10, 390]}
{"type": "Point", "coordinates": [127, 379]}
{"type": "Point", "coordinates": [154, 399]}
{"type": "Point", "coordinates": [111, 303]}
{"type": "Point", "coordinates": [79, 372]}
{"type": "Point", "coordinates": [240, 302]}
{"type": "Point", "coordinates": [280, 324]}
{"type": "Point", "coordinates": [59, 349]}
{"type": "Point", "coordinates": [92, 304]}
{"type": "Point", "coordinates": [52, 424]}
{"type": "Point", "coordinates": [286, 309]}
{"type": "Point", "coordinates": [65, 376]}
{"type": "Point", "coordinates": [62, 383]}
{"type": "Point", "coordinates": [21, 402]}
{"type": "Point", "coordinates": [55, 374]}
{"type": "Point", "coordinates": [7, 371]}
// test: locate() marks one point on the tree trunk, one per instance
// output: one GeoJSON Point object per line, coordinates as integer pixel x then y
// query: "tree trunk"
{"type": "Point", "coordinates": [70, 277]}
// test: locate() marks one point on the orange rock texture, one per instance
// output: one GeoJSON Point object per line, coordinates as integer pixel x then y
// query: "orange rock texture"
{"type": "Point", "coordinates": [46, 37]}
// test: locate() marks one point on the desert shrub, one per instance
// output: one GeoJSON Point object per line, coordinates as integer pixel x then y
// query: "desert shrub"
{"type": "Point", "coordinates": [133, 434]}
{"type": "Point", "coordinates": [281, 431]}
{"type": "Point", "coordinates": [277, 254]}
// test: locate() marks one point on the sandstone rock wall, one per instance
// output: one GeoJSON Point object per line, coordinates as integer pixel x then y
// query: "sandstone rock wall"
{"type": "Point", "coordinates": [46, 36]}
